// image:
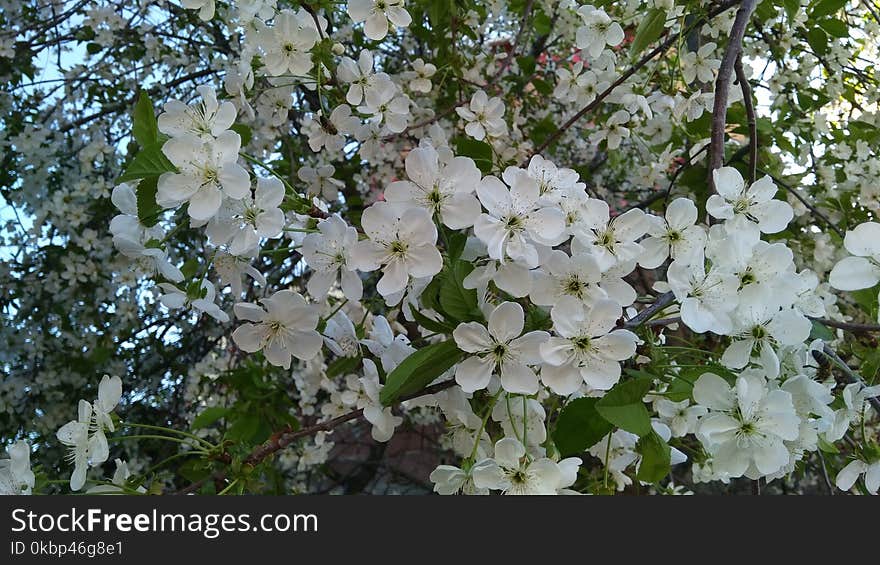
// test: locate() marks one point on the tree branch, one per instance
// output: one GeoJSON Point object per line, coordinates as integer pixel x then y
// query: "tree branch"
{"type": "Point", "coordinates": [671, 40]}
{"type": "Point", "coordinates": [750, 117]}
{"type": "Point", "coordinates": [282, 439]}
{"type": "Point", "coordinates": [722, 86]}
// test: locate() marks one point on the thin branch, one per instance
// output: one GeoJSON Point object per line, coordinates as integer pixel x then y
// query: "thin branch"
{"type": "Point", "coordinates": [803, 201]}
{"type": "Point", "coordinates": [282, 439]}
{"type": "Point", "coordinates": [671, 40]}
{"type": "Point", "coordinates": [851, 375]}
{"type": "Point", "coordinates": [750, 117]}
{"type": "Point", "coordinates": [849, 326]}
{"type": "Point", "coordinates": [722, 87]}
{"type": "Point", "coordinates": [642, 317]}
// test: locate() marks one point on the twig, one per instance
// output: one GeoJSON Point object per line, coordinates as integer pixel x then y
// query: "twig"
{"type": "Point", "coordinates": [722, 86]}
{"type": "Point", "coordinates": [662, 302]}
{"type": "Point", "coordinates": [849, 326]}
{"type": "Point", "coordinates": [803, 201]}
{"type": "Point", "coordinates": [724, 6]}
{"type": "Point", "coordinates": [281, 440]}
{"type": "Point", "coordinates": [750, 117]}
{"type": "Point", "coordinates": [851, 375]}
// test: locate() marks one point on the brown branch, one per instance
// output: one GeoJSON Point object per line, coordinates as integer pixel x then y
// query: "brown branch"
{"type": "Point", "coordinates": [282, 439]}
{"type": "Point", "coordinates": [851, 375]}
{"type": "Point", "coordinates": [642, 317]}
{"type": "Point", "coordinates": [750, 117]}
{"type": "Point", "coordinates": [671, 40]}
{"type": "Point", "coordinates": [803, 201]}
{"type": "Point", "coordinates": [116, 107]}
{"type": "Point", "coordinates": [722, 86]}
{"type": "Point", "coordinates": [849, 326]}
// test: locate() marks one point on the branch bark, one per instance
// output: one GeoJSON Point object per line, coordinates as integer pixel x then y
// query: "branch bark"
{"type": "Point", "coordinates": [722, 86]}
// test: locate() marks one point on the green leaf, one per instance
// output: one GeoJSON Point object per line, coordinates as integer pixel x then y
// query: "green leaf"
{"type": "Point", "coordinates": [208, 416]}
{"type": "Point", "coordinates": [818, 41]}
{"type": "Point", "coordinates": [148, 210]}
{"type": "Point", "coordinates": [419, 369]}
{"type": "Point", "coordinates": [342, 366]}
{"type": "Point", "coordinates": [542, 23]}
{"type": "Point", "coordinates": [245, 427]}
{"type": "Point", "coordinates": [655, 458]}
{"type": "Point", "coordinates": [623, 406]}
{"type": "Point", "coordinates": [149, 162]}
{"type": "Point", "coordinates": [826, 7]}
{"type": "Point", "coordinates": [649, 30]}
{"type": "Point", "coordinates": [836, 28]}
{"type": "Point", "coordinates": [244, 132]}
{"type": "Point", "coordinates": [190, 268]}
{"type": "Point", "coordinates": [457, 240]}
{"type": "Point", "coordinates": [144, 126]}
{"type": "Point", "coordinates": [429, 324]}
{"type": "Point", "coordinates": [827, 446]}
{"type": "Point", "coordinates": [479, 151]}
{"type": "Point", "coordinates": [792, 7]}
{"type": "Point", "coordinates": [579, 427]}
{"type": "Point", "coordinates": [820, 331]}
{"type": "Point", "coordinates": [458, 302]}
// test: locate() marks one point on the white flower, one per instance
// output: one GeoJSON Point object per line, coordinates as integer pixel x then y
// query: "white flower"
{"type": "Point", "coordinates": [511, 472]}
{"type": "Point", "coordinates": [698, 65]}
{"type": "Point", "coordinates": [761, 327]}
{"type": "Point", "coordinates": [205, 8]}
{"type": "Point", "coordinates": [449, 480]}
{"type": "Point", "coordinates": [206, 120]}
{"type": "Point", "coordinates": [377, 14]}
{"type": "Point", "coordinates": [109, 394]}
{"type": "Point", "coordinates": [754, 205]}
{"type": "Point", "coordinates": [444, 189]}
{"type": "Point", "coordinates": [87, 449]}
{"type": "Point", "coordinates": [242, 223]}
{"type": "Point", "coordinates": [676, 236]}
{"type": "Point", "coordinates": [854, 397]}
{"type": "Point", "coordinates": [420, 77]}
{"type": "Point", "coordinates": [500, 349]}
{"type": "Point", "coordinates": [331, 133]}
{"type": "Point", "coordinates": [613, 131]}
{"type": "Point", "coordinates": [386, 103]}
{"type": "Point", "coordinates": [231, 268]}
{"type": "Point", "coordinates": [360, 75]}
{"type": "Point", "coordinates": [484, 116]}
{"type": "Point", "coordinates": [208, 171]}
{"type": "Point", "coordinates": [681, 417]}
{"type": "Point", "coordinates": [340, 336]}
{"type": "Point", "coordinates": [561, 275]}
{"type": "Point", "coordinates": [202, 300]}
{"type": "Point", "coordinates": [848, 476]}
{"type": "Point", "coordinates": [329, 254]}
{"type": "Point", "coordinates": [863, 270]}
{"type": "Point", "coordinates": [599, 30]}
{"type": "Point", "coordinates": [747, 425]}
{"type": "Point", "coordinates": [383, 420]}
{"type": "Point", "coordinates": [611, 241]}
{"type": "Point", "coordinates": [402, 240]}
{"type": "Point", "coordinates": [16, 476]}
{"type": "Point", "coordinates": [75, 435]}
{"type": "Point", "coordinates": [321, 182]}
{"type": "Point", "coordinates": [514, 222]}
{"type": "Point", "coordinates": [287, 44]}
{"type": "Point", "coordinates": [585, 350]}
{"type": "Point", "coordinates": [284, 328]}
{"type": "Point", "coordinates": [554, 183]}
{"type": "Point", "coordinates": [131, 237]}
{"type": "Point", "coordinates": [390, 349]}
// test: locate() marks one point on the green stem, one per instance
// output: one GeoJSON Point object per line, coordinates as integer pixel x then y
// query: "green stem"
{"type": "Point", "coordinates": [205, 442]}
